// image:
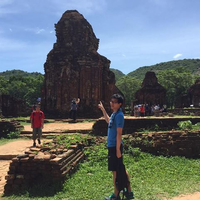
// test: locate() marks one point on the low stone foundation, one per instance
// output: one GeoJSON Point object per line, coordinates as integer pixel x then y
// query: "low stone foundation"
{"type": "Point", "coordinates": [173, 143]}
{"type": "Point", "coordinates": [42, 165]}
{"type": "Point", "coordinates": [9, 126]}
{"type": "Point", "coordinates": [186, 112]}
{"type": "Point", "coordinates": [132, 125]}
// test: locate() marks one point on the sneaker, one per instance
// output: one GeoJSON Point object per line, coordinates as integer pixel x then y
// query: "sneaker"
{"type": "Point", "coordinates": [34, 144]}
{"type": "Point", "coordinates": [113, 197]}
{"type": "Point", "coordinates": [39, 142]}
{"type": "Point", "coordinates": [129, 195]}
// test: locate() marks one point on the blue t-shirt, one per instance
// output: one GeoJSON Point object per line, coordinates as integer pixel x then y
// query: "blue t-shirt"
{"type": "Point", "coordinates": [116, 121]}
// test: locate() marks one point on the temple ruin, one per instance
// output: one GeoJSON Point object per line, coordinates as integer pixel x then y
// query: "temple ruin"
{"type": "Point", "coordinates": [194, 94]}
{"type": "Point", "coordinates": [10, 106]}
{"type": "Point", "coordinates": [192, 97]}
{"type": "Point", "coordinates": [151, 92]}
{"type": "Point", "coordinates": [74, 69]}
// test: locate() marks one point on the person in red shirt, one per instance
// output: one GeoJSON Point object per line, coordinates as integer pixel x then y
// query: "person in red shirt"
{"type": "Point", "coordinates": [37, 124]}
{"type": "Point", "coordinates": [142, 110]}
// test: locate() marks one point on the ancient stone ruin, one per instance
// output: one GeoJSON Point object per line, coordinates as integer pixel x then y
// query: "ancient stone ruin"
{"type": "Point", "coordinates": [74, 69]}
{"type": "Point", "coordinates": [151, 92]}
{"type": "Point", "coordinates": [194, 94]}
{"type": "Point", "coordinates": [10, 106]}
{"type": "Point", "coordinates": [9, 126]}
{"type": "Point", "coordinates": [50, 163]}
{"type": "Point", "coordinates": [172, 143]}
{"type": "Point", "coordinates": [191, 98]}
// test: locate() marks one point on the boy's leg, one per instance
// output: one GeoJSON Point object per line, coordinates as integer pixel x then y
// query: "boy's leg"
{"type": "Point", "coordinates": [112, 164]}
{"type": "Point", "coordinates": [34, 136]}
{"type": "Point", "coordinates": [115, 188]}
{"type": "Point", "coordinates": [74, 116]}
{"type": "Point", "coordinates": [129, 194]}
{"type": "Point", "coordinates": [129, 185]}
{"type": "Point", "coordinates": [39, 135]}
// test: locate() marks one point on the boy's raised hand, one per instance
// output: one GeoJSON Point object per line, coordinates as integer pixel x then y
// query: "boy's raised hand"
{"type": "Point", "coordinates": [100, 105]}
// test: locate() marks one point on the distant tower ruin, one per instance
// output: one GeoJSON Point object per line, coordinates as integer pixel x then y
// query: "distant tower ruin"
{"type": "Point", "coordinates": [151, 92]}
{"type": "Point", "coordinates": [74, 69]}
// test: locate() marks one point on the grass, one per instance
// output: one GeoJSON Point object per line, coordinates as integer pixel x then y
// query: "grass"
{"type": "Point", "coordinates": [25, 123]}
{"type": "Point", "coordinates": [17, 118]}
{"type": "Point", "coordinates": [152, 178]}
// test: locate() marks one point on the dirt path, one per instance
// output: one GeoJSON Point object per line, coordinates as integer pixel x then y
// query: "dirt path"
{"type": "Point", "coordinates": [15, 148]}
{"type": "Point", "coordinates": [59, 127]}
{"type": "Point", "coordinates": [7, 151]}
{"type": "Point", "coordinates": [194, 196]}
{"type": "Point", "coordinates": [4, 166]}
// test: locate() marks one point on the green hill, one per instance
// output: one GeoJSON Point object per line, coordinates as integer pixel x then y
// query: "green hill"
{"type": "Point", "coordinates": [21, 73]}
{"type": "Point", "coordinates": [118, 73]}
{"type": "Point", "coordinates": [192, 65]}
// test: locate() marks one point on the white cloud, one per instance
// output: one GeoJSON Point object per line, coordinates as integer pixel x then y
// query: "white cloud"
{"type": "Point", "coordinates": [38, 31]}
{"type": "Point", "coordinates": [177, 55]}
{"type": "Point", "coordinates": [35, 30]}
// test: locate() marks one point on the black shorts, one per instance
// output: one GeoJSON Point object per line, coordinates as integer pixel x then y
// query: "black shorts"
{"type": "Point", "coordinates": [112, 158]}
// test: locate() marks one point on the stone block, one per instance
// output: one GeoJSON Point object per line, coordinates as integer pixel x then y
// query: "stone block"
{"type": "Point", "coordinates": [55, 160]}
{"type": "Point", "coordinates": [10, 177]}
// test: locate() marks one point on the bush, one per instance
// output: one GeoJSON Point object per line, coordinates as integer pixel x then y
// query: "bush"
{"type": "Point", "coordinates": [13, 135]}
{"type": "Point", "coordinates": [183, 125]}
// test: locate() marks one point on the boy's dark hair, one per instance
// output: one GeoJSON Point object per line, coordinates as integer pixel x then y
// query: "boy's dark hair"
{"type": "Point", "coordinates": [119, 98]}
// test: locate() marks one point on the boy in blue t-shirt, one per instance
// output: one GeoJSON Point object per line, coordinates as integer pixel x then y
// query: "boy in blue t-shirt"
{"type": "Point", "coordinates": [114, 140]}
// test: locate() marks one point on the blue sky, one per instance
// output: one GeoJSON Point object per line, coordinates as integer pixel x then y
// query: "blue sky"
{"type": "Point", "coordinates": [132, 33]}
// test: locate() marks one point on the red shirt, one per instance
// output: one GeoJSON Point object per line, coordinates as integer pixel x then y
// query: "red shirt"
{"type": "Point", "coordinates": [37, 118]}
{"type": "Point", "coordinates": [142, 109]}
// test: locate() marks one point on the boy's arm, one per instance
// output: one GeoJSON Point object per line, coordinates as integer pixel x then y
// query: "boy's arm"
{"type": "Point", "coordinates": [42, 124]}
{"type": "Point", "coordinates": [31, 118]}
{"type": "Point", "coordinates": [31, 122]}
{"type": "Point", "coordinates": [78, 100]}
{"type": "Point", "coordinates": [107, 118]}
{"type": "Point", "coordinates": [119, 139]}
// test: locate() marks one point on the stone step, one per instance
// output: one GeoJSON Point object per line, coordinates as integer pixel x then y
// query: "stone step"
{"type": "Point", "coordinates": [28, 134]}
{"type": "Point", "coordinates": [45, 135]}
{"type": "Point", "coordinates": [60, 132]}
{"type": "Point", "coordinates": [73, 164]}
{"type": "Point", "coordinates": [70, 160]}
{"type": "Point", "coordinates": [7, 157]}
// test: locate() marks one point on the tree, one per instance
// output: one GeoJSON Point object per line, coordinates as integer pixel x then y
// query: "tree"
{"type": "Point", "coordinates": [3, 86]}
{"type": "Point", "coordinates": [25, 87]}
{"type": "Point", "coordinates": [128, 85]}
{"type": "Point", "coordinates": [176, 82]}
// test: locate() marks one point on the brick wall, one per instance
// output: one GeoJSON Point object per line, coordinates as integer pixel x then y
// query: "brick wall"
{"type": "Point", "coordinates": [173, 143]}
{"type": "Point", "coordinates": [39, 165]}
{"type": "Point", "coordinates": [132, 125]}
{"type": "Point", "coordinates": [8, 126]}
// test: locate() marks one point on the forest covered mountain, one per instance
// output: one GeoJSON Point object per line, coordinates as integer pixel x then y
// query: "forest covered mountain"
{"type": "Point", "coordinates": [118, 73]}
{"type": "Point", "coordinates": [6, 74]}
{"type": "Point", "coordinates": [192, 65]}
